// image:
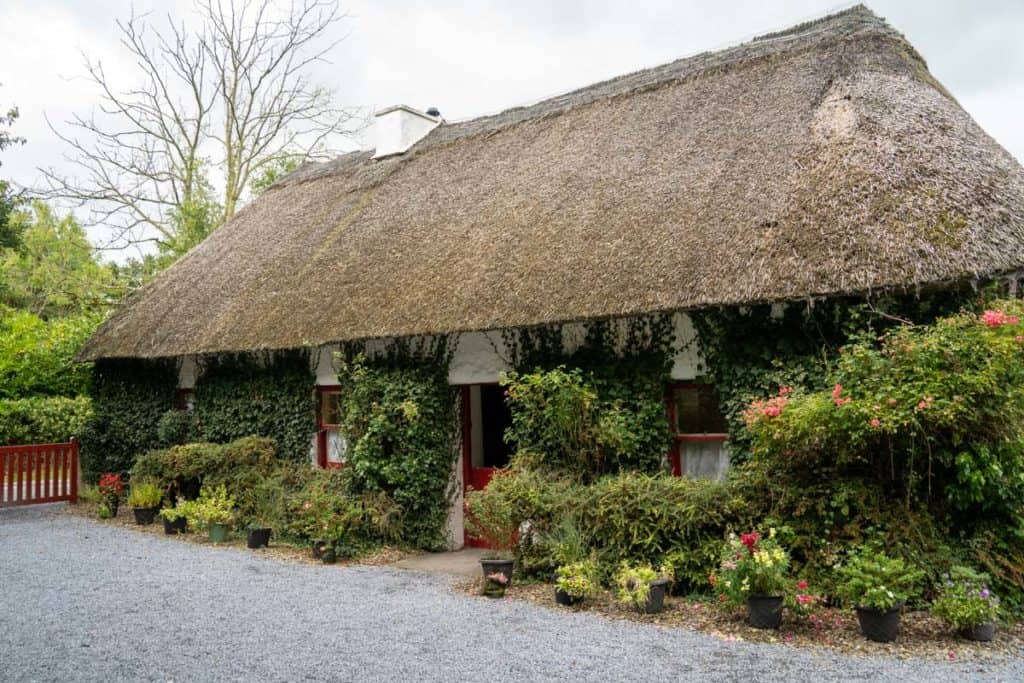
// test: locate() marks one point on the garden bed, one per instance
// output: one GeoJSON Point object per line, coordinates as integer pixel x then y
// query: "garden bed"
{"type": "Point", "coordinates": [282, 550]}
{"type": "Point", "coordinates": [922, 635]}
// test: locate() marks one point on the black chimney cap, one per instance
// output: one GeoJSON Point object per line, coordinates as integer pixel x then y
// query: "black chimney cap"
{"type": "Point", "coordinates": [434, 112]}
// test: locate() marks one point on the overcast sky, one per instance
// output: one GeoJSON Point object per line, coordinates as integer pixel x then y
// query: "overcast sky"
{"type": "Point", "coordinates": [475, 57]}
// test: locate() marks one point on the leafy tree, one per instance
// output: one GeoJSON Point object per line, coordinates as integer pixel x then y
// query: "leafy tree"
{"type": "Point", "coordinates": [37, 356]}
{"type": "Point", "coordinates": [276, 169]}
{"type": "Point", "coordinates": [9, 199]}
{"type": "Point", "coordinates": [54, 272]}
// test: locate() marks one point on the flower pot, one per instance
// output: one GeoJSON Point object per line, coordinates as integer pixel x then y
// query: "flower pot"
{"type": "Point", "coordinates": [328, 555]}
{"type": "Point", "coordinates": [563, 598]}
{"type": "Point", "coordinates": [983, 633]}
{"type": "Point", "coordinates": [878, 625]}
{"type": "Point", "coordinates": [258, 538]}
{"type": "Point", "coordinates": [218, 533]}
{"type": "Point", "coordinates": [764, 611]}
{"type": "Point", "coordinates": [178, 526]}
{"type": "Point", "coordinates": [498, 567]}
{"type": "Point", "coordinates": [144, 516]}
{"type": "Point", "coordinates": [112, 505]}
{"type": "Point", "coordinates": [318, 547]}
{"type": "Point", "coordinates": [656, 598]}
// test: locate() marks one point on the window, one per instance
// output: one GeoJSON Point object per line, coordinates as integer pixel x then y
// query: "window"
{"type": "Point", "coordinates": [185, 399]}
{"type": "Point", "coordinates": [330, 444]}
{"type": "Point", "coordinates": [700, 431]}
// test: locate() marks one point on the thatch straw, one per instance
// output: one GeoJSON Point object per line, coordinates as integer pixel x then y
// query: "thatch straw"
{"type": "Point", "coordinates": [813, 162]}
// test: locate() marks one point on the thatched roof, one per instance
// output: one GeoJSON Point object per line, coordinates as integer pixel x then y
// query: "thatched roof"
{"type": "Point", "coordinates": [820, 160]}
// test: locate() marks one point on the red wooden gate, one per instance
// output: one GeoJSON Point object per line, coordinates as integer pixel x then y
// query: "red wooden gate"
{"type": "Point", "coordinates": [39, 473]}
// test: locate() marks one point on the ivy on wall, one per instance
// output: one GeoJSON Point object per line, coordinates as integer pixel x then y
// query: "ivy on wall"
{"type": "Point", "coordinates": [268, 394]}
{"type": "Point", "coordinates": [623, 364]}
{"type": "Point", "coordinates": [399, 419]}
{"type": "Point", "coordinates": [129, 396]}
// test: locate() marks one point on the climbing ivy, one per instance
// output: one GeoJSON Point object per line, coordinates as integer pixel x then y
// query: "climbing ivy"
{"type": "Point", "coordinates": [129, 396]}
{"type": "Point", "coordinates": [262, 394]}
{"type": "Point", "coordinates": [399, 419]}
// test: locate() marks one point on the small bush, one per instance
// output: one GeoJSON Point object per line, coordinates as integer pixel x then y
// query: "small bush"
{"type": "Point", "coordinates": [176, 427]}
{"type": "Point", "coordinates": [43, 419]}
{"type": "Point", "coordinates": [144, 494]}
{"type": "Point", "coordinates": [873, 579]}
{"type": "Point", "coordinates": [965, 600]}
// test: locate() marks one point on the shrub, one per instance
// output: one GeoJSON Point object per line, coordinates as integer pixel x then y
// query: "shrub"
{"type": "Point", "coordinates": [562, 422]}
{"type": "Point", "coordinates": [214, 506]}
{"type": "Point", "coordinates": [323, 506]}
{"type": "Point", "coordinates": [43, 419]}
{"type": "Point", "coordinates": [492, 520]}
{"type": "Point", "coordinates": [965, 600]}
{"type": "Point", "coordinates": [578, 580]}
{"type": "Point", "coordinates": [872, 579]}
{"type": "Point", "coordinates": [751, 565]}
{"type": "Point", "coordinates": [633, 583]}
{"type": "Point", "coordinates": [144, 494]}
{"type": "Point", "coordinates": [37, 356]}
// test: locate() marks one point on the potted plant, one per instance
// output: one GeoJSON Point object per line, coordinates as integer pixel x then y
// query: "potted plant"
{"type": "Point", "coordinates": [213, 511]}
{"type": "Point", "coordinates": [145, 498]}
{"type": "Point", "coordinates": [110, 487]}
{"type": "Point", "coordinates": [328, 555]}
{"type": "Point", "coordinates": [266, 504]}
{"type": "Point", "coordinates": [966, 603]}
{"type": "Point", "coordinates": [495, 584]}
{"type": "Point", "coordinates": [489, 519]}
{"type": "Point", "coordinates": [176, 518]}
{"type": "Point", "coordinates": [575, 582]}
{"type": "Point", "coordinates": [877, 586]}
{"type": "Point", "coordinates": [642, 587]}
{"type": "Point", "coordinates": [753, 571]}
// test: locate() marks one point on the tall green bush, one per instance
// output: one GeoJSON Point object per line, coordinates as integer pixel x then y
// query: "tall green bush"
{"type": "Point", "coordinates": [44, 419]}
{"type": "Point", "coordinates": [129, 396]}
{"type": "Point", "coordinates": [399, 421]}
{"type": "Point", "coordinates": [268, 395]}
{"type": "Point", "coordinates": [37, 356]}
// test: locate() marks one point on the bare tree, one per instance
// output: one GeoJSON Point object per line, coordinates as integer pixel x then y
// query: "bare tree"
{"type": "Point", "coordinates": [215, 106]}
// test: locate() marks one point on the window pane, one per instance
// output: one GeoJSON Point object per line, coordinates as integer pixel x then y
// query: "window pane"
{"type": "Point", "coordinates": [329, 412]}
{"type": "Point", "coordinates": [698, 410]}
{"type": "Point", "coordinates": [704, 459]}
{"type": "Point", "coordinates": [336, 447]}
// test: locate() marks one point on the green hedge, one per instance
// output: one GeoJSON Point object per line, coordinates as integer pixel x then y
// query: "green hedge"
{"type": "Point", "coordinates": [129, 397]}
{"type": "Point", "coordinates": [37, 356]}
{"type": "Point", "coordinates": [239, 395]}
{"type": "Point", "coordinates": [46, 419]}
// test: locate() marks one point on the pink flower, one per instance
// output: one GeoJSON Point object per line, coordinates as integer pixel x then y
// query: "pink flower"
{"type": "Point", "coordinates": [837, 390]}
{"type": "Point", "coordinates": [876, 423]}
{"type": "Point", "coordinates": [802, 585]}
{"type": "Point", "coordinates": [1019, 339]}
{"type": "Point", "coordinates": [1013, 320]}
{"type": "Point", "coordinates": [922, 405]}
{"type": "Point", "coordinates": [785, 391]}
{"type": "Point", "coordinates": [994, 318]}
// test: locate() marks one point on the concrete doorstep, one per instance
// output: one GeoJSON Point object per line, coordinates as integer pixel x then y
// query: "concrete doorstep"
{"type": "Point", "coordinates": [465, 562]}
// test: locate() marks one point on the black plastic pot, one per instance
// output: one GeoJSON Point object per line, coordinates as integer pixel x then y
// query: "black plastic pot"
{"type": "Point", "coordinates": [656, 598]}
{"type": "Point", "coordinates": [328, 556]}
{"type": "Point", "coordinates": [563, 598]}
{"type": "Point", "coordinates": [178, 526]}
{"type": "Point", "coordinates": [112, 505]}
{"type": "Point", "coordinates": [144, 516]}
{"type": "Point", "coordinates": [498, 566]}
{"type": "Point", "coordinates": [318, 547]}
{"type": "Point", "coordinates": [982, 633]}
{"type": "Point", "coordinates": [258, 538]}
{"type": "Point", "coordinates": [879, 626]}
{"type": "Point", "coordinates": [764, 611]}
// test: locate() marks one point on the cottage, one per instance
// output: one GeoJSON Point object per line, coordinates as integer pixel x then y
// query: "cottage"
{"type": "Point", "coordinates": [819, 161]}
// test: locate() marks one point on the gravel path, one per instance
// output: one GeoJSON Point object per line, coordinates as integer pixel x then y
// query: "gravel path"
{"type": "Point", "coordinates": [81, 601]}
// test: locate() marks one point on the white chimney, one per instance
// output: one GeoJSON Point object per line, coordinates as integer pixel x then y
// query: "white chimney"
{"type": "Point", "coordinates": [400, 127]}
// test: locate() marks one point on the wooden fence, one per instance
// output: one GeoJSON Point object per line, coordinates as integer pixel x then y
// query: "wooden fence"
{"type": "Point", "coordinates": [39, 473]}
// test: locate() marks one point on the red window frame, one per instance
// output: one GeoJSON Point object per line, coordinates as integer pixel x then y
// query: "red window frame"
{"type": "Point", "coordinates": [675, 456]}
{"type": "Point", "coordinates": [322, 428]}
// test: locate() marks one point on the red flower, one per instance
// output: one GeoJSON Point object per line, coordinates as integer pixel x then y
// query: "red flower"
{"type": "Point", "coordinates": [802, 585]}
{"type": "Point", "coordinates": [111, 484]}
{"type": "Point", "coordinates": [750, 540]}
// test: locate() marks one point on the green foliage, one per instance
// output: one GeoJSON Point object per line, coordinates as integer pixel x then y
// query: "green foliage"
{"type": "Point", "coordinates": [872, 579]}
{"type": "Point", "coordinates": [192, 219]}
{"type": "Point", "coordinates": [598, 409]}
{"type": "Point", "coordinates": [578, 580]}
{"type": "Point", "coordinates": [323, 506]}
{"type": "Point", "coordinates": [37, 356]}
{"type": "Point", "coordinates": [9, 199]}
{"type": "Point", "coordinates": [272, 170]}
{"type": "Point", "coordinates": [397, 415]}
{"type": "Point", "coordinates": [45, 419]}
{"type": "Point", "coordinates": [144, 494]}
{"type": "Point", "coordinates": [214, 506]}
{"type": "Point", "coordinates": [633, 584]}
{"type": "Point", "coordinates": [752, 565]}
{"type": "Point", "coordinates": [965, 600]}
{"type": "Point", "coordinates": [54, 271]}
{"type": "Point", "coordinates": [240, 395]}
{"type": "Point", "coordinates": [491, 519]}
{"type": "Point", "coordinates": [176, 427]}
{"type": "Point", "coordinates": [129, 397]}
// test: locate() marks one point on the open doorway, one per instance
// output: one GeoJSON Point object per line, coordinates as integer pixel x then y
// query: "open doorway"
{"type": "Point", "coordinates": [485, 417]}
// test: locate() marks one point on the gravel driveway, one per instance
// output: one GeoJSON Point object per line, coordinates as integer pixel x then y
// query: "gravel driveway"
{"type": "Point", "coordinates": [81, 601]}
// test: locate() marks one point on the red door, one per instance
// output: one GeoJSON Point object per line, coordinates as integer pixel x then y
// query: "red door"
{"type": "Point", "coordinates": [477, 477]}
